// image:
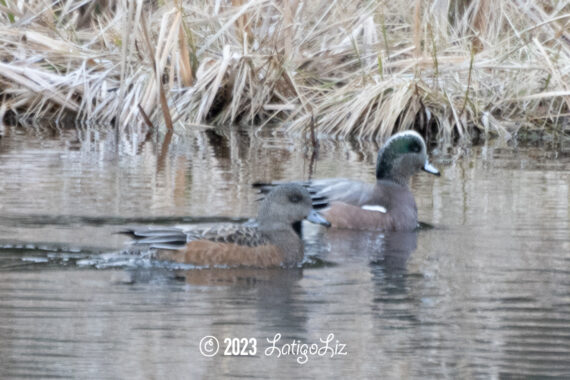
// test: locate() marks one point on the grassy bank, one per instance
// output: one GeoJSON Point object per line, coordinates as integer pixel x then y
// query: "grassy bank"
{"type": "Point", "coordinates": [340, 68]}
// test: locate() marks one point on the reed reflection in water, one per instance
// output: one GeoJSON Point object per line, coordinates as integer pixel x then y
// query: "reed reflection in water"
{"type": "Point", "coordinates": [484, 292]}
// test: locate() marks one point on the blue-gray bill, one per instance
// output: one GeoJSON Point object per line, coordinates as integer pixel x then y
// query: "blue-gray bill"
{"type": "Point", "coordinates": [430, 168]}
{"type": "Point", "coordinates": [315, 217]}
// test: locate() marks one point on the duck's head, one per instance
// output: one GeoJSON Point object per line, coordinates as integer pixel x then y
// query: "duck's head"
{"type": "Point", "coordinates": [403, 155]}
{"type": "Point", "coordinates": [288, 204]}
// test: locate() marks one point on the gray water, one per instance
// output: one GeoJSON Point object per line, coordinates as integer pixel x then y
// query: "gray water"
{"type": "Point", "coordinates": [482, 290]}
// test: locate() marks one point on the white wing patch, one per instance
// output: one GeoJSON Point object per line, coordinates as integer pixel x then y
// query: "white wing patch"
{"type": "Point", "coordinates": [376, 208]}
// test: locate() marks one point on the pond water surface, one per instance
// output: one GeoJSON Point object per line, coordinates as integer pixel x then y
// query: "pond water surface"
{"type": "Point", "coordinates": [482, 291]}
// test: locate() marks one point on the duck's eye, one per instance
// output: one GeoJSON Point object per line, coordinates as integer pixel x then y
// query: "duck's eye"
{"type": "Point", "coordinates": [295, 198]}
{"type": "Point", "coordinates": [416, 148]}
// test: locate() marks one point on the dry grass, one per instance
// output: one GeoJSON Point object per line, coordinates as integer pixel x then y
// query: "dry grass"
{"type": "Point", "coordinates": [356, 68]}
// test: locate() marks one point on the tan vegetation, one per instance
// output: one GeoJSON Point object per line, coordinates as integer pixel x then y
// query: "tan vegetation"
{"type": "Point", "coordinates": [360, 68]}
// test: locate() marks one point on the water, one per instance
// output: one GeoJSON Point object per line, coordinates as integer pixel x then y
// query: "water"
{"type": "Point", "coordinates": [482, 291]}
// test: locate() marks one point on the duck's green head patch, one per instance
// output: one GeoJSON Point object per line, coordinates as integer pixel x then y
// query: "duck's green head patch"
{"type": "Point", "coordinates": [398, 146]}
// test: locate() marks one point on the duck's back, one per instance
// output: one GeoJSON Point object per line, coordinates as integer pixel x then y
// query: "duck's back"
{"type": "Point", "coordinates": [343, 190]}
{"type": "Point", "coordinates": [227, 245]}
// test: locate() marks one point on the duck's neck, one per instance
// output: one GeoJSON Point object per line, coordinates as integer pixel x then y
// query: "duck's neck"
{"type": "Point", "coordinates": [397, 171]}
{"type": "Point", "coordinates": [402, 181]}
{"type": "Point", "coordinates": [286, 238]}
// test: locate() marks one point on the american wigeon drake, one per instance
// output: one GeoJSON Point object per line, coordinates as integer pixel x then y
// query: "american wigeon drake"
{"type": "Point", "coordinates": [386, 205]}
{"type": "Point", "coordinates": [270, 242]}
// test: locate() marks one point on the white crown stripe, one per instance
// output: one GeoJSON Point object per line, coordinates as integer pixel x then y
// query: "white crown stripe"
{"type": "Point", "coordinates": [405, 134]}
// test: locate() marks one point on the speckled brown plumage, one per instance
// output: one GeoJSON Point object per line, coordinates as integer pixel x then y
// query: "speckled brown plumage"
{"type": "Point", "coordinates": [270, 242]}
{"type": "Point", "coordinates": [210, 253]}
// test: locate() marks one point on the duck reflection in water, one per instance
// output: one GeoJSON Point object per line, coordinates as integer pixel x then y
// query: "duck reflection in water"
{"type": "Point", "coordinates": [388, 250]}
